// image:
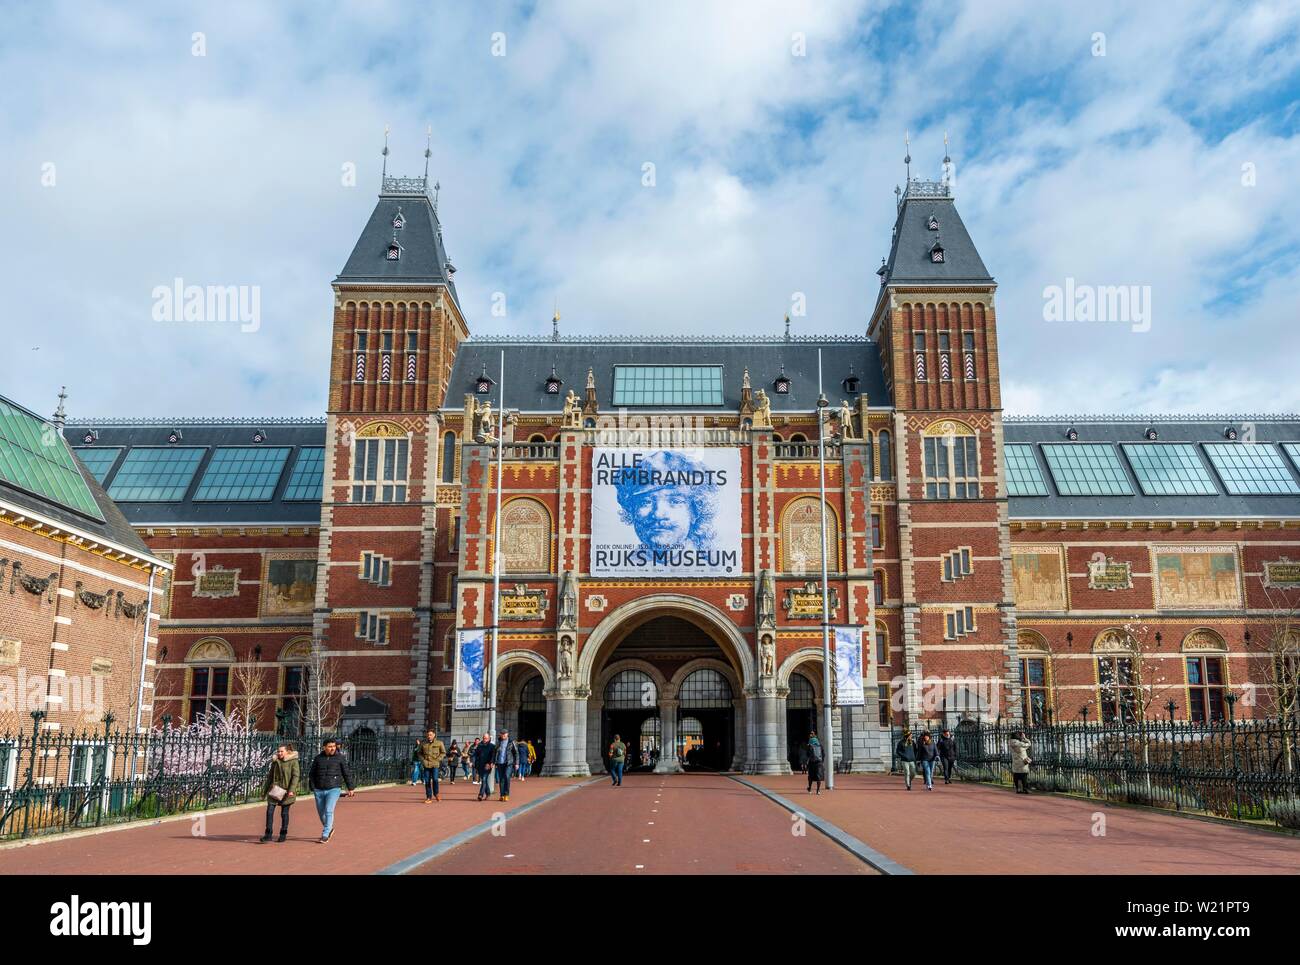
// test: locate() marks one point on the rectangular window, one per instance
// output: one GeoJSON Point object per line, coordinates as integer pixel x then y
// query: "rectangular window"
{"type": "Point", "coordinates": [8, 765]}
{"type": "Point", "coordinates": [882, 648]}
{"type": "Point", "coordinates": [1117, 695]}
{"type": "Point", "coordinates": [944, 342]}
{"type": "Point", "coordinates": [667, 385]}
{"type": "Point", "coordinates": [959, 622]}
{"type": "Point", "coordinates": [877, 534]}
{"type": "Point", "coordinates": [308, 476]}
{"type": "Point", "coordinates": [1165, 469]}
{"type": "Point", "coordinates": [1024, 478]}
{"type": "Point", "coordinates": [153, 475]}
{"type": "Point", "coordinates": [412, 341]}
{"type": "Point", "coordinates": [951, 468]}
{"type": "Point", "coordinates": [1033, 685]}
{"type": "Point", "coordinates": [1086, 469]}
{"type": "Point", "coordinates": [376, 569]}
{"type": "Point", "coordinates": [359, 366]}
{"type": "Point", "coordinates": [918, 342]}
{"type": "Point", "coordinates": [956, 564]}
{"type": "Point", "coordinates": [379, 471]}
{"type": "Point", "coordinates": [209, 687]}
{"type": "Point", "coordinates": [372, 627]}
{"type": "Point", "coordinates": [242, 474]}
{"type": "Point", "coordinates": [1251, 469]}
{"type": "Point", "coordinates": [882, 704]}
{"type": "Point", "coordinates": [968, 341]}
{"type": "Point", "coordinates": [1206, 685]}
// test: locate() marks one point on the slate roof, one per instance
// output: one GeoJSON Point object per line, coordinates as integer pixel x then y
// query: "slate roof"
{"type": "Point", "coordinates": [423, 258]}
{"type": "Point", "coordinates": [1268, 430]}
{"type": "Point", "coordinates": [909, 261]}
{"type": "Point", "coordinates": [207, 434]}
{"type": "Point", "coordinates": [529, 362]}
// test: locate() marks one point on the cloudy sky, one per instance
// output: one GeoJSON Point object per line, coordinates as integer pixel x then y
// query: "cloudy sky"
{"type": "Point", "coordinates": [1109, 143]}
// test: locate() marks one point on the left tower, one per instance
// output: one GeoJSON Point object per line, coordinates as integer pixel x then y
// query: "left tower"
{"type": "Point", "coordinates": [397, 326]}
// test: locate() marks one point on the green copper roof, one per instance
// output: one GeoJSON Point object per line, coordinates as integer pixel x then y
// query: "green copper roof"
{"type": "Point", "coordinates": [34, 458]}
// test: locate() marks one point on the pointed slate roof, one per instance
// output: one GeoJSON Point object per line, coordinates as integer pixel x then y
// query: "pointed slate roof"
{"type": "Point", "coordinates": [423, 259]}
{"type": "Point", "coordinates": [909, 261]}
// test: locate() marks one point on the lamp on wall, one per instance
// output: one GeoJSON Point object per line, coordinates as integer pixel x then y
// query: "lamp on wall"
{"type": "Point", "coordinates": [1069, 641]}
{"type": "Point", "coordinates": [1171, 707]}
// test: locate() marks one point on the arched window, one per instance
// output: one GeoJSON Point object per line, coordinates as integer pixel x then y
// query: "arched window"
{"type": "Point", "coordinates": [798, 437]}
{"type": "Point", "coordinates": [801, 537]}
{"type": "Point", "coordinates": [537, 437]}
{"type": "Point", "coordinates": [801, 695]}
{"type": "Point", "coordinates": [208, 687]}
{"type": "Point", "coordinates": [882, 644]}
{"type": "Point", "coordinates": [870, 438]}
{"type": "Point", "coordinates": [630, 690]}
{"type": "Point", "coordinates": [886, 456]}
{"type": "Point", "coordinates": [951, 461]}
{"type": "Point", "coordinates": [379, 463]}
{"type": "Point", "coordinates": [1035, 671]}
{"type": "Point", "coordinates": [705, 688]}
{"type": "Point", "coordinates": [878, 581]}
{"type": "Point", "coordinates": [449, 457]}
{"type": "Point", "coordinates": [530, 697]}
{"type": "Point", "coordinates": [525, 537]}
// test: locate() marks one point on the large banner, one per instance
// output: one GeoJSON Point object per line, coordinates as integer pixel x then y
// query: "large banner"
{"type": "Point", "coordinates": [848, 666]}
{"type": "Point", "coordinates": [471, 669]}
{"type": "Point", "coordinates": [665, 512]}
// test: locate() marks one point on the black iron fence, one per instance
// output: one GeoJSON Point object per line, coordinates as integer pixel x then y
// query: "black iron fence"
{"type": "Point", "coordinates": [52, 781]}
{"type": "Point", "coordinates": [1246, 769]}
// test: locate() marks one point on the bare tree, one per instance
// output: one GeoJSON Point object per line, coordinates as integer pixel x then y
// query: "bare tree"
{"type": "Point", "coordinates": [1278, 641]}
{"type": "Point", "coordinates": [323, 705]}
{"type": "Point", "coordinates": [251, 691]}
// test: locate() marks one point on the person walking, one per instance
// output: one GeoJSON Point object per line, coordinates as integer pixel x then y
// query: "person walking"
{"type": "Point", "coordinates": [483, 754]}
{"type": "Point", "coordinates": [532, 758]}
{"type": "Point", "coordinates": [947, 754]}
{"type": "Point", "coordinates": [506, 760]}
{"type": "Point", "coordinates": [453, 761]}
{"type": "Point", "coordinates": [617, 758]}
{"type": "Point", "coordinates": [905, 752]}
{"type": "Point", "coordinates": [282, 779]}
{"type": "Point", "coordinates": [471, 757]}
{"type": "Point", "coordinates": [431, 752]}
{"type": "Point", "coordinates": [521, 745]}
{"type": "Point", "coordinates": [813, 756]}
{"type": "Point", "coordinates": [328, 777]}
{"type": "Point", "coordinates": [801, 757]}
{"type": "Point", "coordinates": [1020, 761]}
{"type": "Point", "coordinates": [926, 755]}
{"type": "Point", "coordinates": [417, 772]}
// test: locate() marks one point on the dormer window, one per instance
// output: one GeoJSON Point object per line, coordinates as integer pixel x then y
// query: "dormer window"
{"type": "Point", "coordinates": [932, 223]}
{"type": "Point", "coordinates": [92, 436]}
{"type": "Point", "coordinates": [483, 384]}
{"type": "Point", "coordinates": [1151, 434]}
{"type": "Point", "coordinates": [850, 382]}
{"type": "Point", "coordinates": [936, 253]}
{"type": "Point", "coordinates": [398, 221]}
{"type": "Point", "coordinates": [1230, 433]}
{"type": "Point", "coordinates": [174, 436]}
{"type": "Point", "coordinates": [782, 383]}
{"type": "Point", "coordinates": [1072, 434]}
{"type": "Point", "coordinates": [553, 383]}
{"type": "Point", "coordinates": [259, 436]}
{"type": "Point", "coordinates": [394, 251]}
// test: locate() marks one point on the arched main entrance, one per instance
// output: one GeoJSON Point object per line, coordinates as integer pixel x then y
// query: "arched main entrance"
{"type": "Point", "coordinates": [668, 674]}
{"type": "Point", "coordinates": [800, 717]}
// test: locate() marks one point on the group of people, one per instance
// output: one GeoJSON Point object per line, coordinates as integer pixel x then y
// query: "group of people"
{"type": "Point", "coordinates": [923, 753]}
{"type": "Point", "coordinates": [490, 762]}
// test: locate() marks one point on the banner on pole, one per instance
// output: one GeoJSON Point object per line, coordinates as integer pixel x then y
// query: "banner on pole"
{"type": "Point", "coordinates": [665, 512]}
{"type": "Point", "coordinates": [471, 669]}
{"type": "Point", "coordinates": [848, 666]}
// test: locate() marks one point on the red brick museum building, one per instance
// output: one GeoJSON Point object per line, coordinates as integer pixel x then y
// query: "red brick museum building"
{"type": "Point", "coordinates": [1065, 567]}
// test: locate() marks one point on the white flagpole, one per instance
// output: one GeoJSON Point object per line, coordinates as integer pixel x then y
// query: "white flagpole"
{"type": "Point", "coordinates": [828, 755]}
{"type": "Point", "coordinates": [496, 551]}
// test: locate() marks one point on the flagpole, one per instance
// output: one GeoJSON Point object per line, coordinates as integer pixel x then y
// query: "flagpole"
{"type": "Point", "coordinates": [829, 755]}
{"type": "Point", "coordinates": [496, 551]}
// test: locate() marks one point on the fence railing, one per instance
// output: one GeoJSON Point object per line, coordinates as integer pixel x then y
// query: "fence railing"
{"type": "Point", "coordinates": [1245, 769]}
{"type": "Point", "coordinates": [52, 781]}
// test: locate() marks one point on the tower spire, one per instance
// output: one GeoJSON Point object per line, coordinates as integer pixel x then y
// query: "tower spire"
{"type": "Point", "coordinates": [555, 323]}
{"type": "Point", "coordinates": [60, 415]}
{"type": "Point", "coordinates": [428, 151]}
{"type": "Point", "coordinates": [907, 157]}
{"type": "Point", "coordinates": [385, 151]}
{"type": "Point", "coordinates": [787, 326]}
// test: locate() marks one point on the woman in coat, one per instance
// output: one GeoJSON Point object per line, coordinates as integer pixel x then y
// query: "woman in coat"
{"type": "Point", "coordinates": [1020, 761]}
{"type": "Point", "coordinates": [927, 752]}
{"type": "Point", "coordinates": [453, 762]}
{"type": "Point", "coordinates": [282, 779]}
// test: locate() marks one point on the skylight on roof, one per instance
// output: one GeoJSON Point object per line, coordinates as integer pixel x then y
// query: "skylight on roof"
{"type": "Point", "coordinates": [305, 482]}
{"type": "Point", "coordinates": [1165, 469]}
{"type": "Point", "coordinates": [98, 460]}
{"type": "Point", "coordinates": [242, 473]}
{"type": "Point", "coordinates": [156, 475]}
{"type": "Point", "coordinates": [1086, 469]}
{"type": "Point", "coordinates": [34, 457]}
{"type": "Point", "coordinates": [1251, 468]}
{"type": "Point", "coordinates": [1024, 478]}
{"type": "Point", "coordinates": [667, 385]}
{"type": "Point", "coordinates": [1293, 450]}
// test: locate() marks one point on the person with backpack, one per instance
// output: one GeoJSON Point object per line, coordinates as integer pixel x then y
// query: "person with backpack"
{"type": "Point", "coordinates": [617, 758]}
{"type": "Point", "coordinates": [816, 758]}
{"type": "Point", "coordinates": [328, 776]}
{"type": "Point", "coordinates": [1020, 761]}
{"type": "Point", "coordinates": [947, 754]}
{"type": "Point", "coordinates": [431, 752]}
{"type": "Point", "coordinates": [926, 755]}
{"type": "Point", "coordinates": [281, 780]}
{"type": "Point", "coordinates": [905, 753]}
{"type": "Point", "coordinates": [484, 751]}
{"type": "Point", "coordinates": [521, 746]}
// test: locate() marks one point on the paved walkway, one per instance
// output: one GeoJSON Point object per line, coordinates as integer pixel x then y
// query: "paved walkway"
{"type": "Point", "coordinates": [972, 829]}
{"type": "Point", "coordinates": [375, 829]}
{"type": "Point", "coordinates": [682, 824]}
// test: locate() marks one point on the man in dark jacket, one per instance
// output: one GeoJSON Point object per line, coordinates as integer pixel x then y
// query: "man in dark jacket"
{"type": "Point", "coordinates": [505, 759]}
{"type": "Point", "coordinates": [905, 753]}
{"type": "Point", "coordinates": [484, 751]}
{"type": "Point", "coordinates": [947, 754]}
{"type": "Point", "coordinates": [328, 776]}
{"type": "Point", "coordinates": [926, 755]}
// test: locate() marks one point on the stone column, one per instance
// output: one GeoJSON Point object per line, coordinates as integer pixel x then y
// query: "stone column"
{"type": "Point", "coordinates": [668, 763]}
{"type": "Point", "coordinates": [594, 752]}
{"type": "Point", "coordinates": [767, 756]}
{"type": "Point", "coordinates": [566, 725]}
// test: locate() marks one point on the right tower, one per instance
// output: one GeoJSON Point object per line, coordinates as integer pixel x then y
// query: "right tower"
{"type": "Point", "coordinates": [935, 322]}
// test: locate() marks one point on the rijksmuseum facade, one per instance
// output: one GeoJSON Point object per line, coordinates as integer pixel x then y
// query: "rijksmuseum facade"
{"type": "Point", "coordinates": [660, 544]}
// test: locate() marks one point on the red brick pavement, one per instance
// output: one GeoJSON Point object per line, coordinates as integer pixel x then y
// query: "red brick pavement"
{"type": "Point", "coordinates": [374, 829]}
{"type": "Point", "coordinates": [971, 829]}
{"type": "Point", "coordinates": [682, 824]}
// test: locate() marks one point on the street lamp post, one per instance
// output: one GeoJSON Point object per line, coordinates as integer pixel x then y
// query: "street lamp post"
{"type": "Point", "coordinates": [496, 551]}
{"type": "Point", "coordinates": [826, 596]}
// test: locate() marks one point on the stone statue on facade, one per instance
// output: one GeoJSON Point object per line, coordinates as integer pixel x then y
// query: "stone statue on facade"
{"type": "Point", "coordinates": [486, 422]}
{"type": "Point", "coordinates": [846, 421]}
{"type": "Point", "coordinates": [762, 410]}
{"type": "Point", "coordinates": [767, 657]}
{"type": "Point", "coordinates": [568, 612]}
{"type": "Point", "coordinates": [766, 600]}
{"type": "Point", "coordinates": [572, 411]}
{"type": "Point", "coordinates": [566, 658]}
